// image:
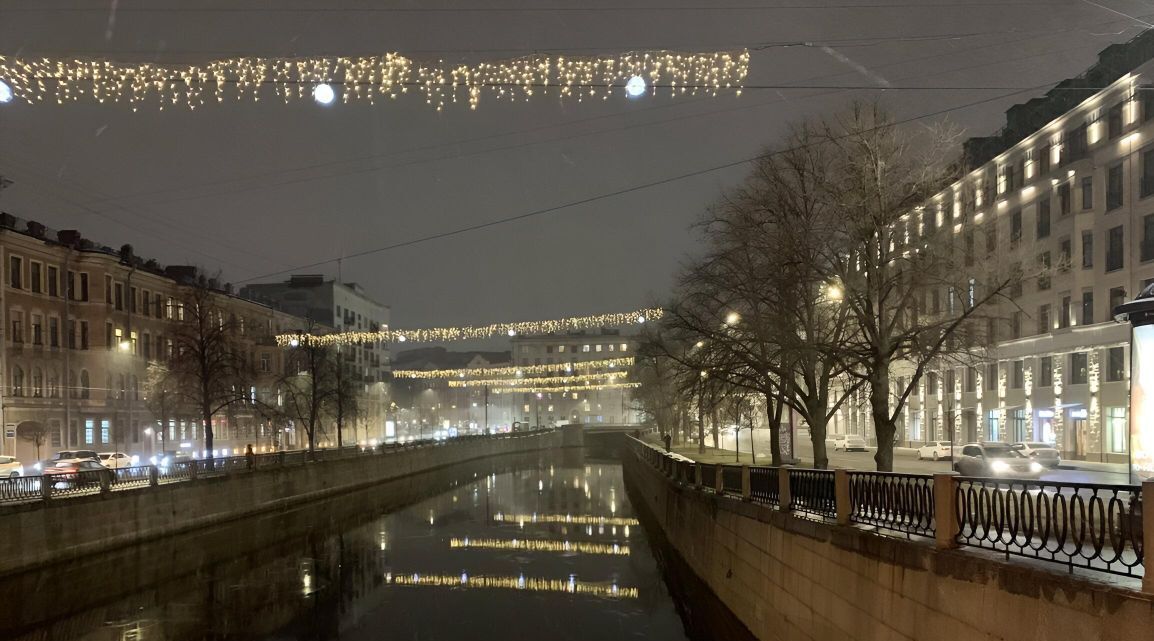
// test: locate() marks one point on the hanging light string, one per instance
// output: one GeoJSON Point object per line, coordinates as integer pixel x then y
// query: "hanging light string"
{"type": "Point", "coordinates": [369, 78]}
{"type": "Point", "coordinates": [445, 334]}
{"type": "Point", "coordinates": [565, 389]}
{"type": "Point", "coordinates": [516, 370]}
{"type": "Point", "coordinates": [541, 381]}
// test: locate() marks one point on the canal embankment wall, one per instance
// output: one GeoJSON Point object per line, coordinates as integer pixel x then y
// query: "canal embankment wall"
{"type": "Point", "coordinates": [790, 578]}
{"type": "Point", "coordinates": [48, 532]}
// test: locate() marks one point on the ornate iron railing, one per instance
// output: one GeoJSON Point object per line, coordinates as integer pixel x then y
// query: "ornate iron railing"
{"type": "Point", "coordinates": [812, 492]}
{"type": "Point", "coordinates": [764, 485]}
{"type": "Point", "coordinates": [896, 502]}
{"type": "Point", "coordinates": [731, 479]}
{"type": "Point", "coordinates": [708, 475]}
{"type": "Point", "coordinates": [20, 489]}
{"type": "Point", "coordinates": [126, 477]}
{"type": "Point", "coordinates": [1077, 524]}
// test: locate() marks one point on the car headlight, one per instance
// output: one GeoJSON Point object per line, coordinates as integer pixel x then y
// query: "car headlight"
{"type": "Point", "coordinates": [152, 459]}
{"type": "Point", "coordinates": [37, 467]}
{"type": "Point", "coordinates": [1000, 467]}
{"type": "Point", "coordinates": [1035, 467]}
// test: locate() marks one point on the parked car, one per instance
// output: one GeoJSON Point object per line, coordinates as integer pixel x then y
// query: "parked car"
{"type": "Point", "coordinates": [936, 450]}
{"type": "Point", "coordinates": [10, 467]}
{"type": "Point", "coordinates": [995, 459]}
{"type": "Point", "coordinates": [67, 455]}
{"type": "Point", "coordinates": [78, 473]}
{"type": "Point", "coordinates": [848, 442]}
{"type": "Point", "coordinates": [1044, 453]}
{"type": "Point", "coordinates": [116, 460]}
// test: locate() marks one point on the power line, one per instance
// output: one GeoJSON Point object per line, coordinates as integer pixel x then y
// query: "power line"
{"type": "Point", "coordinates": [935, 6]}
{"type": "Point", "coordinates": [612, 194]}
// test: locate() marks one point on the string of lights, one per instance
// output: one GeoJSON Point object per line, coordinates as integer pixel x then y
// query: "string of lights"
{"type": "Point", "coordinates": [541, 380]}
{"type": "Point", "coordinates": [571, 585]}
{"type": "Point", "coordinates": [539, 545]}
{"type": "Point", "coordinates": [445, 334]}
{"type": "Point", "coordinates": [369, 78]}
{"type": "Point", "coordinates": [516, 370]}
{"type": "Point", "coordinates": [564, 388]}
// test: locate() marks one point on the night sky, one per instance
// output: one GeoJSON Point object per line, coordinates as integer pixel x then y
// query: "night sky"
{"type": "Point", "coordinates": [253, 189]}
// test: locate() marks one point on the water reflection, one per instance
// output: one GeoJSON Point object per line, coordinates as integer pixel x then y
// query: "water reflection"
{"type": "Point", "coordinates": [536, 550]}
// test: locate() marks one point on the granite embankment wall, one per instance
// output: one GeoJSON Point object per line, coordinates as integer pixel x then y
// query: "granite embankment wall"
{"type": "Point", "coordinates": [790, 578]}
{"type": "Point", "coordinates": [45, 532]}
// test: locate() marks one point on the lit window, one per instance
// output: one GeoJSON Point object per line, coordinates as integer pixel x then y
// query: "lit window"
{"type": "Point", "coordinates": [1117, 429]}
{"type": "Point", "coordinates": [613, 347]}
{"type": "Point", "coordinates": [598, 348]}
{"type": "Point", "coordinates": [560, 349]}
{"type": "Point", "coordinates": [584, 348]}
{"type": "Point", "coordinates": [624, 347]}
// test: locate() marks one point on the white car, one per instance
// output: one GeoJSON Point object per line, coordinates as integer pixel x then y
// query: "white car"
{"type": "Point", "coordinates": [848, 442]}
{"type": "Point", "coordinates": [1044, 453]}
{"type": "Point", "coordinates": [10, 467]}
{"type": "Point", "coordinates": [115, 460]}
{"type": "Point", "coordinates": [936, 450]}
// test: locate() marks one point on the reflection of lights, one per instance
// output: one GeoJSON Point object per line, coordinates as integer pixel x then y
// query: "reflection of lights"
{"type": "Point", "coordinates": [521, 582]}
{"type": "Point", "coordinates": [575, 519]}
{"type": "Point", "coordinates": [540, 545]}
{"type": "Point", "coordinates": [626, 531]}
{"type": "Point", "coordinates": [540, 485]}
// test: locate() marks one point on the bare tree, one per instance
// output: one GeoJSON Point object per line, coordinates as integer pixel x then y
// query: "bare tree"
{"type": "Point", "coordinates": [308, 385]}
{"type": "Point", "coordinates": [162, 399]}
{"type": "Point", "coordinates": [35, 433]}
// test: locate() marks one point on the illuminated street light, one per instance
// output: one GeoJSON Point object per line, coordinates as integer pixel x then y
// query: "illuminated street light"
{"type": "Point", "coordinates": [635, 86]}
{"type": "Point", "coordinates": [5, 92]}
{"type": "Point", "coordinates": [323, 94]}
{"type": "Point", "coordinates": [833, 292]}
{"type": "Point", "coordinates": [732, 318]}
{"type": "Point", "coordinates": [125, 346]}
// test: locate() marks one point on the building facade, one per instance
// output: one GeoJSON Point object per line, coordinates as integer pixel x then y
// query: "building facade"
{"type": "Point", "coordinates": [342, 307]}
{"type": "Point", "coordinates": [82, 323]}
{"type": "Point", "coordinates": [1075, 197]}
{"type": "Point", "coordinates": [611, 406]}
{"type": "Point", "coordinates": [430, 407]}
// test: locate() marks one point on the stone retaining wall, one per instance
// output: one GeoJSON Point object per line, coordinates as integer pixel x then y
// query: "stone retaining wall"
{"type": "Point", "coordinates": [39, 533]}
{"type": "Point", "coordinates": [792, 579]}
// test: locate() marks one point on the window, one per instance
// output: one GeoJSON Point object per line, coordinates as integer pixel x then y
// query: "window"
{"type": "Point", "coordinates": [17, 327]}
{"type": "Point", "coordinates": [1079, 370]}
{"type": "Point", "coordinates": [1046, 371]}
{"type": "Point", "coordinates": [119, 290]}
{"type": "Point", "coordinates": [991, 237]}
{"type": "Point", "coordinates": [1064, 313]}
{"type": "Point", "coordinates": [1064, 198]}
{"type": "Point", "coordinates": [1087, 249]}
{"type": "Point", "coordinates": [1043, 217]}
{"type": "Point", "coordinates": [146, 346]}
{"type": "Point", "coordinates": [1015, 228]}
{"type": "Point", "coordinates": [1115, 249]}
{"type": "Point", "coordinates": [1114, 187]}
{"type": "Point", "coordinates": [1043, 319]}
{"type": "Point", "coordinates": [1018, 375]}
{"type": "Point", "coordinates": [971, 381]}
{"type": "Point", "coordinates": [560, 349]}
{"type": "Point", "coordinates": [37, 382]}
{"type": "Point", "coordinates": [1043, 161]}
{"type": "Point", "coordinates": [1016, 325]}
{"type": "Point", "coordinates": [53, 281]}
{"type": "Point", "coordinates": [1044, 278]}
{"type": "Point", "coordinates": [1117, 297]}
{"type": "Point", "coordinates": [1147, 250]}
{"type": "Point", "coordinates": [991, 376]}
{"type": "Point", "coordinates": [1087, 193]}
{"type": "Point", "coordinates": [1115, 364]}
{"type": "Point", "coordinates": [132, 300]}
{"type": "Point", "coordinates": [54, 332]}
{"type": "Point", "coordinates": [158, 304]}
{"type": "Point", "coordinates": [15, 272]}
{"type": "Point", "coordinates": [624, 347]}
{"type": "Point", "coordinates": [108, 289]}
{"type": "Point", "coordinates": [1088, 308]}
{"type": "Point", "coordinates": [584, 348]}
{"type": "Point", "coordinates": [1117, 429]}
{"type": "Point", "coordinates": [265, 363]}
{"type": "Point", "coordinates": [1146, 184]}
{"type": "Point", "coordinates": [1065, 254]}
{"type": "Point", "coordinates": [17, 381]}
{"type": "Point", "coordinates": [35, 277]}
{"type": "Point", "coordinates": [597, 348]}
{"type": "Point", "coordinates": [84, 286]}
{"type": "Point", "coordinates": [105, 431]}
{"type": "Point", "coordinates": [83, 334]}
{"type": "Point", "coordinates": [37, 322]}
{"type": "Point", "coordinates": [1114, 121]}
{"type": "Point", "coordinates": [89, 431]}
{"type": "Point", "coordinates": [108, 335]}
{"type": "Point", "coordinates": [932, 383]}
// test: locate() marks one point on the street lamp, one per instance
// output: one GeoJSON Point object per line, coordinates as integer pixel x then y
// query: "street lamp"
{"type": "Point", "coordinates": [732, 318]}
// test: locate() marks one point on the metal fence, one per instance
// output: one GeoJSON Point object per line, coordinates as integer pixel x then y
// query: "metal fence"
{"type": "Point", "coordinates": [764, 485]}
{"type": "Point", "coordinates": [812, 492]}
{"type": "Point", "coordinates": [896, 502]}
{"type": "Point", "coordinates": [708, 475]}
{"type": "Point", "coordinates": [731, 479]}
{"type": "Point", "coordinates": [24, 489]}
{"type": "Point", "coordinates": [1075, 524]}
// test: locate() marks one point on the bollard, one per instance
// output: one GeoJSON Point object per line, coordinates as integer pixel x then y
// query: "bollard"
{"type": "Point", "coordinates": [719, 479]}
{"type": "Point", "coordinates": [45, 487]}
{"type": "Point", "coordinates": [945, 510]}
{"type": "Point", "coordinates": [746, 486]}
{"type": "Point", "coordinates": [784, 497]}
{"type": "Point", "coordinates": [153, 476]}
{"type": "Point", "coordinates": [1148, 532]}
{"type": "Point", "coordinates": [841, 496]}
{"type": "Point", "coordinates": [105, 483]}
{"type": "Point", "coordinates": [697, 475]}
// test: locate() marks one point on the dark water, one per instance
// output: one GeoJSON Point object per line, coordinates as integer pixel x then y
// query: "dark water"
{"type": "Point", "coordinates": [539, 547]}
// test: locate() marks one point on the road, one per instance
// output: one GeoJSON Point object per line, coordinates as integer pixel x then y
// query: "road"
{"type": "Point", "coordinates": [906, 461]}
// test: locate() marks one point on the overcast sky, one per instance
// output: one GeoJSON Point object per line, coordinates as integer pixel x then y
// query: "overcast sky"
{"type": "Point", "coordinates": [251, 189]}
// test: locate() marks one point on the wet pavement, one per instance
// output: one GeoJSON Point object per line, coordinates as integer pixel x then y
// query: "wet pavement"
{"type": "Point", "coordinates": [539, 550]}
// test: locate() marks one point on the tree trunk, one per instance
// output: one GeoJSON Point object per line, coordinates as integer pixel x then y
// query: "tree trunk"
{"type": "Point", "coordinates": [774, 431]}
{"type": "Point", "coordinates": [715, 428]}
{"type": "Point", "coordinates": [818, 425]}
{"type": "Point", "coordinates": [700, 424]}
{"type": "Point", "coordinates": [880, 412]}
{"type": "Point", "coordinates": [206, 417]}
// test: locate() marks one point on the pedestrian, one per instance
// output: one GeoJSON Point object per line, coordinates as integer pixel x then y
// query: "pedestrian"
{"type": "Point", "coordinates": [668, 440]}
{"type": "Point", "coordinates": [249, 455]}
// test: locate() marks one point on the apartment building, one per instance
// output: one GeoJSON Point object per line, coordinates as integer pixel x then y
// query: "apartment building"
{"type": "Point", "coordinates": [1073, 196]}
{"type": "Point", "coordinates": [613, 406]}
{"type": "Point", "coordinates": [81, 323]}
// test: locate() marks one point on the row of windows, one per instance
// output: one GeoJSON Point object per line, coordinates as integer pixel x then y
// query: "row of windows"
{"type": "Point", "coordinates": [1076, 373]}
{"type": "Point", "coordinates": [43, 279]}
{"type": "Point", "coordinates": [584, 349]}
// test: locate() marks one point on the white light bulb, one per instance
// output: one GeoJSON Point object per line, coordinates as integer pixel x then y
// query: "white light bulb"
{"type": "Point", "coordinates": [324, 94]}
{"type": "Point", "coordinates": [512, 332]}
{"type": "Point", "coordinates": [635, 87]}
{"type": "Point", "coordinates": [5, 92]}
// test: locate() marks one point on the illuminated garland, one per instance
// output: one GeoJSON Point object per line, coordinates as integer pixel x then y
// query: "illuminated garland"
{"type": "Point", "coordinates": [565, 388]}
{"type": "Point", "coordinates": [572, 586]}
{"type": "Point", "coordinates": [580, 519]}
{"type": "Point", "coordinates": [443, 334]}
{"type": "Point", "coordinates": [552, 381]}
{"type": "Point", "coordinates": [369, 78]}
{"type": "Point", "coordinates": [516, 370]}
{"type": "Point", "coordinates": [539, 545]}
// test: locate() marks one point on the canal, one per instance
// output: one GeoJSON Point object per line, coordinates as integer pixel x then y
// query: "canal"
{"type": "Point", "coordinates": [532, 547]}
